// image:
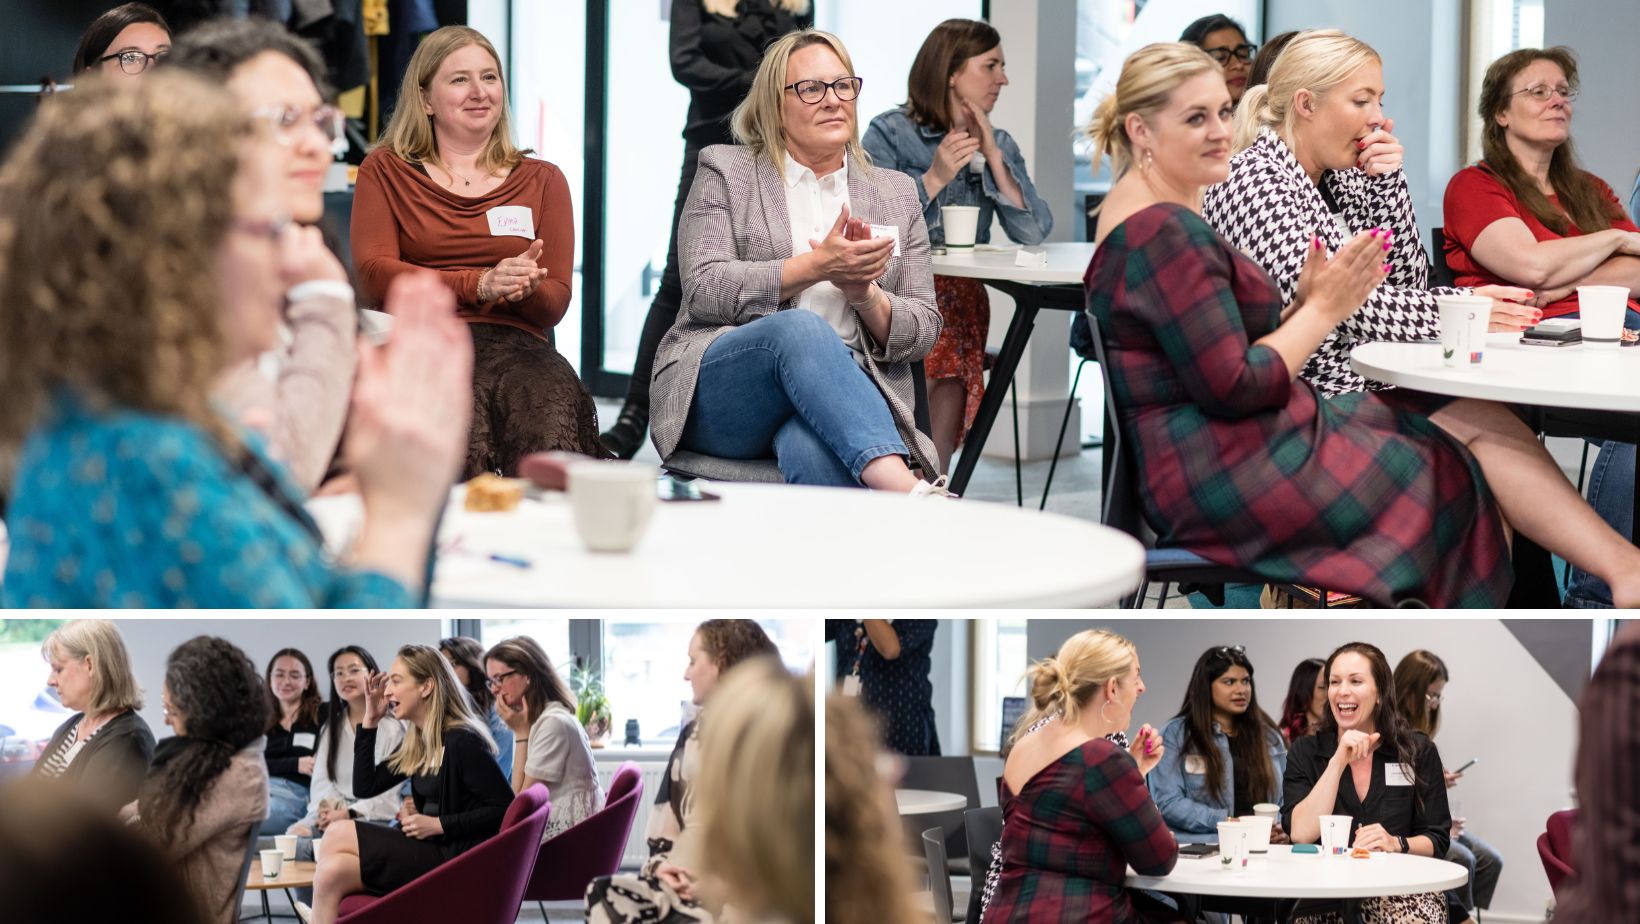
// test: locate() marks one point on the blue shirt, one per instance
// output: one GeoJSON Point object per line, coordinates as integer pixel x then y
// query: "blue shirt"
{"type": "Point", "coordinates": [130, 509]}
{"type": "Point", "coordinates": [896, 142]}
{"type": "Point", "coordinates": [1182, 797]}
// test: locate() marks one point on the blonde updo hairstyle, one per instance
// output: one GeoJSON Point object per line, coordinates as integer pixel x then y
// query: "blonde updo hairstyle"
{"type": "Point", "coordinates": [1317, 60]}
{"type": "Point", "coordinates": [1068, 681]}
{"type": "Point", "coordinates": [1148, 79]}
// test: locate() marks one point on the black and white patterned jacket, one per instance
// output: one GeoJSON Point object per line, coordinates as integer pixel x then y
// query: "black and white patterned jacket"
{"type": "Point", "coordinates": [1269, 209]}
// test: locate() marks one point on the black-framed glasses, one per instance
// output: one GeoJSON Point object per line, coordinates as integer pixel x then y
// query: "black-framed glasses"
{"type": "Point", "coordinates": [494, 683]}
{"type": "Point", "coordinates": [286, 120]}
{"type": "Point", "coordinates": [813, 91]}
{"type": "Point", "coordinates": [1243, 53]}
{"type": "Point", "coordinates": [1543, 92]}
{"type": "Point", "coordinates": [1433, 699]}
{"type": "Point", "coordinates": [133, 61]}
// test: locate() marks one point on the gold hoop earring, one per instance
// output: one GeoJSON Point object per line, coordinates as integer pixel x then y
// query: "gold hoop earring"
{"type": "Point", "coordinates": [1102, 715]}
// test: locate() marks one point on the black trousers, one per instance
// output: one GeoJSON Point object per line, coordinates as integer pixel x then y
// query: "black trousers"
{"type": "Point", "coordinates": [663, 311]}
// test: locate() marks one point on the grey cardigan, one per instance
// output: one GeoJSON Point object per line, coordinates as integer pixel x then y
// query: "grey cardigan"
{"type": "Point", "coordinates": [110, 766]}
{"type": "Point", "coordinates": [732, 239]}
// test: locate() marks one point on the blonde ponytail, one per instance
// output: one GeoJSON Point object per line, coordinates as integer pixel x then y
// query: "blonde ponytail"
{"type": "Point", "coordinates": [1148, 79]}
{"type": "Point", "coordinates": [1068, 680]}
{"type": "Point", "coordinates": [1317, 60]}
{"type": "Point", "coordinates": [1252, 116]}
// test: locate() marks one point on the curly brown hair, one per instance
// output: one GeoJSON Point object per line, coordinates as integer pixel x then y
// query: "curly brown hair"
{"type": "Point", "coordinates": [113, 207]}
{"type": "Point", "coordinates": [730, 641]}
{"type": "Point", "coordinates": [868, 877]}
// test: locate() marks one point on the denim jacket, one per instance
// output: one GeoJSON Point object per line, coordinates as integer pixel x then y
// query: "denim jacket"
{"type": "Point", "coordinates": [1182, 795]}
{"type": "Point", "coordinates": [895, 142]}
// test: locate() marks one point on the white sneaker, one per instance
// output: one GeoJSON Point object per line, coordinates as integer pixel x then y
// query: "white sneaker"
{"type": "Point", "coordinates": [303, 912]}
{"type": "Point", "coordinates": [935, 488]}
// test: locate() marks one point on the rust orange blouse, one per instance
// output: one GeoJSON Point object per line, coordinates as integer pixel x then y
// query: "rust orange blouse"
{"type": "Point", "coordinates": [403, 220]}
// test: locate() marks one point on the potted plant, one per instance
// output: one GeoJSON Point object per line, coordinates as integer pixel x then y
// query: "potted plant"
{"type": "Point", "coordinates": [591, 705]}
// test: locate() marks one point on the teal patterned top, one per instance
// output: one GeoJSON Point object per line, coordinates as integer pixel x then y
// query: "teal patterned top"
{"type": "Point", "coordinates": [122, 508]}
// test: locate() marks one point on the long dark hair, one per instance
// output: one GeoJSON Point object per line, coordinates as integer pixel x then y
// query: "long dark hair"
{"type": "Point", "coordinates": [107, 27]}
{"type": "Point", "coordinates": [1392, 729]}
{"type": "Point", "coordinates": [525, 655]}
{"type": "Point", "coordinates": [1197, 32]}
{"type": "Point", "coordinates": [1416, 673]}
{"type": "Point", "coordinates": [1583, 204]}
{"type": "Point", "coordinates": [338, 708]}
{"type": "Point", "coordinates": [942, 54]}
{"type": "Point", "coordinates": [225, 706]}
{"type": "Point", "coordinates": [1250, 732]}
{"type": "Point", "coordinates": [468, 654]}
{"type": "Point", "coordinates": [1259, 74]}
{"type": "Point", "coordinates": [1295, 709]}
{"type": "Point", "coordinates": [311, 707]}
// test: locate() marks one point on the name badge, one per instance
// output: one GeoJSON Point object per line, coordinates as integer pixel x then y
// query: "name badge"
{"type": "Point", "coordinates": [851, 685]}
{"type": "Point", "coordinates": [1195, 763]}
{"type": "Point", "coordinates": [512, 221]}
{"type": "Point", "coordinates": [303, 740]}
{"type": "Point", "coordinates": [1396, 775]}
{"type": "Point", "coordinates": [892, 231]}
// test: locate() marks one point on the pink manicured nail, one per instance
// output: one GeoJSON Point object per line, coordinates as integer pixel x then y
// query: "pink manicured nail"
{"type": "Point", "coordinates": [1386, 244]}
{"type": "Point", "coordinates": [1388, 266]}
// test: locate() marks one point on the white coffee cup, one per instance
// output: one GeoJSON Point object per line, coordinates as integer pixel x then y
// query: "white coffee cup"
{"type": "Point", "coordinates": [961, 224]}
{"type": "Point", "coordinates": [272, 862]}
{"type": "Point", "coordinates": [1335, 833]}
{"type": "Point", "coordinates": [1602, 309]}
{"type": "Point", "coordinates": [612, 503]}
{"type": "Point", "coordinates": [1258, 827]}
{"type": "Point", "coordinates": [1234, 841]}
{"type": "Point", "coordinates": [318, 844]}
{"type": "Point", "coordinates": [1267, 810]}
{"type": "Point", "coordinates": [1463, 328]}
{"type": "Point", "coordinates": [287, 845]}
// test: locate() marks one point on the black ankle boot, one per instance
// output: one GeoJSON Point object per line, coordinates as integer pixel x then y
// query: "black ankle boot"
{"type": "Point", "coordinates": [625, 438]}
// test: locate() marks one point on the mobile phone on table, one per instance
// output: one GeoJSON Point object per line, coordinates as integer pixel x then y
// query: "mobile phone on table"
{"type": "Point", "coordinates": [1471, 763]}
{"type": "Point", "coordinates": [1198, 850]}
{"type": "Point", "coordinates": [672, 488]}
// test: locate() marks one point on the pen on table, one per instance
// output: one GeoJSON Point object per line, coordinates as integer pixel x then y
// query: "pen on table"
{"type": "Point", "coordinates": [510, 560]}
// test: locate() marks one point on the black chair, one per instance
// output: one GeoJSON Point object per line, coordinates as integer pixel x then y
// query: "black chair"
{"type": "Point", "coordinates": [939, 881]}
{"type": "Point", "coordinates": [984, 828]}
{"type": "Point", "coordinates": [252, 847]}
{"type": "Point", "coordinates": [953, 775]}
{"type": "Point", "coordinates": [1082, 346]}
{"type": "Point", "coordinates": [1440, 274]}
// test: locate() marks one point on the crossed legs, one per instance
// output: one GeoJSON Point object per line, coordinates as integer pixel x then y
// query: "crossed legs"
{"type": "Point", "coordinates": [338, 875]}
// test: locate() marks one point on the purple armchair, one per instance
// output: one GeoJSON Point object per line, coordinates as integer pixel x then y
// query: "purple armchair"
{"type": "Point", "coordinates": [485, 885]}
{"type": "Point", "coordinates": [593, 848]}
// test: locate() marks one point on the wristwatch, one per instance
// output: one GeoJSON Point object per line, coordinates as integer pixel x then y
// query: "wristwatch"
{"type": "Point", "coordinates": [1404, 847]}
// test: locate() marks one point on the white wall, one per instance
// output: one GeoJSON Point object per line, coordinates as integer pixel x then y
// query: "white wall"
{"type": "Point", "coordinates": [151, 641]}
{"type": "Point", "coordinates": [1605, 126]}
{"type": "Point", "coordinates": [1500, 707]}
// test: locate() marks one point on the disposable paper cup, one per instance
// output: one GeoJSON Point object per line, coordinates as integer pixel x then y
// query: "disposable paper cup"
{"type": "Point", "coordinates": [286, 844]}
{"type": "Point", "coordinates": [1233, 844]}
{"type": "Point", "coordinates": [961, 224]}
{"type": "Point", "coordinates": [1258, 832]}
{"type": "Point", "coordinates": [612, 503]}
{"type": "Point", "coordinates": [317, 846]}
{"type": "Point", "coordinates": [1463, 329]}
{"type": "Point", "coordinates": [1335, 833]}
{"type": "Point", "coordinates": [1267, 810]}
{"type": "Point", "coordinates": [272, 862]}
{"type": "Point", "coordinates": [1602, 310]}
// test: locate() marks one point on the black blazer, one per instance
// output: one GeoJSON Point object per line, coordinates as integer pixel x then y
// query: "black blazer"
{"type": "Point", "coordinates": [716, 58]}
{"type": "Point", "coordinates": [112, 764]}
{"type": "Point", "coordinates": [472, 794]}
{"type": "Point", "coordinates": [1400, 809]}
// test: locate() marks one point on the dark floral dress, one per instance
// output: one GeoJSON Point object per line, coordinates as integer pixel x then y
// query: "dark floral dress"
{"type": "Point", "coordinates": [1242, 465]}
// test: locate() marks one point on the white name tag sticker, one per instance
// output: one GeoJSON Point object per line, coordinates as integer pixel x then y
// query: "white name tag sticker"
{"type": "Point", "coordinates": [851, 685]}
{"type": "Point", "coordinates": [512, 221]}
{"type": "Point", "coordinates": [1396, 775]}
{"type": "Point", "coordinates": [892, 231]}
{"type": "Point", "coordinates": [303, 740]}
{"type": "Point", "coordinates": [1194, 763]}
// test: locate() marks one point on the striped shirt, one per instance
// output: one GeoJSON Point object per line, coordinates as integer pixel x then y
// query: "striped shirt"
{"type": "Point", "coordinates": [57, 761]}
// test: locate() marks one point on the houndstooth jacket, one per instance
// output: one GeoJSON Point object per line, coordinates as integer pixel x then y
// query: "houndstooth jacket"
{"type": "Point", "coordinates": [1269, 209]}
{"type": "Point", "coordinates": [732, 239]}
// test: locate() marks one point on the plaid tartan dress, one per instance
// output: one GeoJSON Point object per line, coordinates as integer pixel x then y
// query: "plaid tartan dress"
{"type": "Point", "coordinates": [1359, 493]}
{"type": "Point", "coordinates": [1069, 837]}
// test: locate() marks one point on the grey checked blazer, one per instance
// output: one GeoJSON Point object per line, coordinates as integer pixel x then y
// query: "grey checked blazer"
{"type": "Point", "coordinates": [732, 239]}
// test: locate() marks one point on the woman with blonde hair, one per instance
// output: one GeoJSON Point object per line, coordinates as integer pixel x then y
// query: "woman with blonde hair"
{"type": "Point", "coordinates": [868, 877]}
{"type": "Point", "coordinates": [1315, 161]}
{"type": "Point", "coordinates": [449, 759]}
{"type": "Point", "coordinates": [104, 749]}
{"type": "Point", "coordinates": [807, 291]}
{"type": "Point", "coordinates": [447, 189]}
{"type": "Point", "coordinates": [1075, 810]}
{"type": "Point", "coordinates": [550, 744]}
{"type": "Point", "coordinates": [141, 237]}
{"type": "Point", "coordinates": [1381, 494]}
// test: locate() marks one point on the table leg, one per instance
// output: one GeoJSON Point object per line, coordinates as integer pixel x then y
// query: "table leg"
{"type": "Point", "coordinates": [1026, 305]}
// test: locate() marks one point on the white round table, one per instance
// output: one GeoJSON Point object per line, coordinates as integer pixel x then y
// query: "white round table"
{"type": "Point", "coordinates": [928, 801]}
{"type": "Point", "coordinates": [1284, 874]}
{"type": "Point", "coordinates": [776, 546]}
{"type": "Point", "coordinates": [1058, 284]}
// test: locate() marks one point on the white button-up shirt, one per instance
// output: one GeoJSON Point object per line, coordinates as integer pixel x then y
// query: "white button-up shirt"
{"type": "Point", "coordinates": [812, 205]}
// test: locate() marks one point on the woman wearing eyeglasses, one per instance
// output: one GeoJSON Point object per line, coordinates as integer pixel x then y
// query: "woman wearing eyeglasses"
{"type": "Point", "coordinates": [123, 42]}
{"type": "Point", "coordinates": [332, 797]}
{"type": "Point", "coordinates": [1529, 215]}
{"type": "Point", "coordinates": [550, 745]}
{"type": "Point", "coordinates": [807, 291]}
{"type": "Point", "coordinates": [293, 737]}
{"type": "Point", "coordinates": [1225, 41]}
{"type": "Point", "coordinates": [943, 139]}
{"type": "Point", "coordinates": [295, 394]}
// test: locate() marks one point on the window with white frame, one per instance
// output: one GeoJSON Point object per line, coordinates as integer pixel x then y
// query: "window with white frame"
{"type": "Point", "coordinates": [1496, 27]}
{"type": "Point", "coordinates": [29, 710]}
{"type": "Point", "coordinates": [999, 661]}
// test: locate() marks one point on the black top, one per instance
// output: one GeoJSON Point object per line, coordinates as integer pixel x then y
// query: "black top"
{"type": "Point", "coordinates": [716, 58]}
{"type": "Point", "coordinates": [467, 793]}
{"type": "Point", "coordinates": [1241, 802]}
{"type": "Point", "coordinates": [898, 692]}
{"type": "Point", "coordinates": [1406, 811]}
{"type": "Point", "coordinates": [110, 766]}
{"type": "Point", "coordinates": [283, 752]}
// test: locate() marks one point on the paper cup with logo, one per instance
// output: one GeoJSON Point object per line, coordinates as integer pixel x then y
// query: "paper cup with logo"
{"type": "Point", "coordinates": [1602, 309]}
{"type": "Point", "coordinates": [1463, 328]}
{"type": "Point", "coordinates": [612, 503]}
{"type": "Point", "coordinates": [1233, 843]}
{"type": "Point", "coordinates": [1335, 833]}
{"type": "Point", "coordinates": [272, 862]}
{"type": "Point", "coordinates": [1258, 828]}
{"type": "Point", "coordinates": [961, 223]}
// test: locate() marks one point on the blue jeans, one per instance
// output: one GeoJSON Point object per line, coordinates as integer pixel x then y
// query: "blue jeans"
{"type": "Point", "coordinates": [1611, 494]}
{"type": "Point", "coordinates": [1484, 863]}
{"type": "Point", "coordinates": [786, 385]}
{"type": "Point", "coordinates": [287, 803]}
